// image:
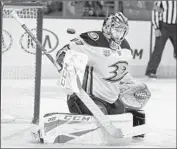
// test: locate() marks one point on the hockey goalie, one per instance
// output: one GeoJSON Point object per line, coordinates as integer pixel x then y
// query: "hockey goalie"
{"type": "Point", "coordinates": [97, 62]}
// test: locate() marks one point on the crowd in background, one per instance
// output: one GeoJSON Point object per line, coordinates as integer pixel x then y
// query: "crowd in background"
{"type": "Point", "coordinates": [132, 9]}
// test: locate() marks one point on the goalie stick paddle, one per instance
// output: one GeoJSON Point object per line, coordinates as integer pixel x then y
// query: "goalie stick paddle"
{"type": "Point", "coordinates": [102, 119]}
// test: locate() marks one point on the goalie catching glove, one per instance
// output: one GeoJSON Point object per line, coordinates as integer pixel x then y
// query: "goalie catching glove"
{"type": "Point", "coordinates": [134, 96]}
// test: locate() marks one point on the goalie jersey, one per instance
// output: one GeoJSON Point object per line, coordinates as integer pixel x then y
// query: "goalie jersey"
{"type": "Point", "coordinates": [105, 68]}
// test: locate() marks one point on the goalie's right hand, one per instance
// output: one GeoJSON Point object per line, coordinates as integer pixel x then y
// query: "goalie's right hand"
{"type": "Point", "coordinates": [60, 55]}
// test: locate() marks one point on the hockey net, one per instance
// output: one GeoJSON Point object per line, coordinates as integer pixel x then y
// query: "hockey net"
{"type": "Point", "coordinates": [20, 62]}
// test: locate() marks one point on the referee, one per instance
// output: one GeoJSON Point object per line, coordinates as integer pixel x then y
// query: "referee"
{"type": "Point", "coordinates": [164, 20]}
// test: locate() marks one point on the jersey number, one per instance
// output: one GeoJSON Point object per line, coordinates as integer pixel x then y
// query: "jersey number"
{"type": "Point", "coordinates": [77, 41]}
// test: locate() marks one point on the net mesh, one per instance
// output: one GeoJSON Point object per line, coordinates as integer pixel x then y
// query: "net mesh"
{"type": "Point", "coordinates": [22, 13]}
{"type": "Point", "coordinates": [18, 64]}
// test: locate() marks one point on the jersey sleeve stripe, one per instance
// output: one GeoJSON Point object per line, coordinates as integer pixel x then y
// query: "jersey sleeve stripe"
{"type": "Point", "coordinates": [88, 80]}
{"type": "Point", "coordinates": [85, 80]}
{"type": "Point", "coordinates": [91, 80]}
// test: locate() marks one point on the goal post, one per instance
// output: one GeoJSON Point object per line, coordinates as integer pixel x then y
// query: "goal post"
{"type": "Point", "coordinates": [21, 60]}
{"type": "Point", "coordinates": [1, 7]}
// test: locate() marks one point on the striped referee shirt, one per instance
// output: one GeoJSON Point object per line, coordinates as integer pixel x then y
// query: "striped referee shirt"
{"type": "Point", "coordinates": [164, 11]}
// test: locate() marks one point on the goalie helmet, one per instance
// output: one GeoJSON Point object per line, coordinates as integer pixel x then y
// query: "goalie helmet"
{"type": "Point", "coordinates": [115, 27]}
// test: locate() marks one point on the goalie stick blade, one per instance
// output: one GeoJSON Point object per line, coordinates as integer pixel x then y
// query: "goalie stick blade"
{"type": "Point", "coordinates": [134, 131]}
{"type": "Point", "coordinates": [116, 133]}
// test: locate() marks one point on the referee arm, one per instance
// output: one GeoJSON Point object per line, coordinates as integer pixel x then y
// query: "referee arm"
{"type": "Point", "coordinates": [156, 14]}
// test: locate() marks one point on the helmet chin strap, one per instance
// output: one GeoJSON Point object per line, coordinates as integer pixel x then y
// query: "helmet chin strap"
{"type": "Point", "coordinates": [112, 43]}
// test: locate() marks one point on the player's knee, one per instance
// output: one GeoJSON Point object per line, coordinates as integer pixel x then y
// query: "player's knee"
{"type": "Point", "coordinates": [76, 106]}
{"type": "Point", "coordinates": [72, 104]}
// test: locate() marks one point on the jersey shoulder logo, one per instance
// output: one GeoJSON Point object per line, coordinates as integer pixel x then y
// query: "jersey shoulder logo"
{"type": "Point", "coordinates": [95, 38]}
{"type": "Point", "coordinates": [93, 35]}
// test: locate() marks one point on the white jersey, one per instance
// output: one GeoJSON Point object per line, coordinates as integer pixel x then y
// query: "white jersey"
{"type": "Point", "coordinates": [106, 67]}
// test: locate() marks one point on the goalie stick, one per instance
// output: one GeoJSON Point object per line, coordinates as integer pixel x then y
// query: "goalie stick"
{"type": "Point", "coordinates": [102, 119]}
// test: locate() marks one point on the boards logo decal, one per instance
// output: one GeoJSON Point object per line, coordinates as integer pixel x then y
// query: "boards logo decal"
{"type": "Point", "coordinates": [50, 41]}
{"type": "Point", "coordinates": [7, 41]}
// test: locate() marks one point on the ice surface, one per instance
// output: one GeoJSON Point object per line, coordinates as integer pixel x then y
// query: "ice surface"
{"type": "Point", "coordinates": [17, 101]}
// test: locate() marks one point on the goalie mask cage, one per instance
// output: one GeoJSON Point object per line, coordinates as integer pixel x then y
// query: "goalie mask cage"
{"type": "Point", "coordinates": [20, 62]}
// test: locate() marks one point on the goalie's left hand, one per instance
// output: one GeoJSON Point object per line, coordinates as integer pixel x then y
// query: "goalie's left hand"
{"type": "Point", "coordinates": [134, 96]}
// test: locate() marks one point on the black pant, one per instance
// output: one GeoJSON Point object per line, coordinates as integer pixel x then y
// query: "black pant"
{"type": "Point", "coordinates": [76, 106]}
{"type": "Point", "coordinates": [168, 32]}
